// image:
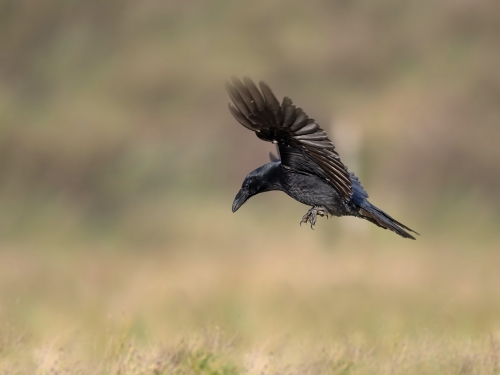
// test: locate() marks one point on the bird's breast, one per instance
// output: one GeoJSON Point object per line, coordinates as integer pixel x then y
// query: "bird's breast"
{"type": "Point", "coordinates": [313, 191]}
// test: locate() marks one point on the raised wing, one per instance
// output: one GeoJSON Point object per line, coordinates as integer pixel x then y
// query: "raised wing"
{"type": "Point", "coordinates": [303, 145]}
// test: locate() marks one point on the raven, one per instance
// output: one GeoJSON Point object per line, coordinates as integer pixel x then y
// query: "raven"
{"type": "Point", "coordinates": [309, 169]}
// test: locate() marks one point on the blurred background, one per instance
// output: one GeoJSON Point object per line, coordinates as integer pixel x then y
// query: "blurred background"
{"type": "Point", "coordinates": [119, 162]}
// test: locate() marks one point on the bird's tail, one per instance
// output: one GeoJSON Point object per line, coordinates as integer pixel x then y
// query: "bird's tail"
{"type": "Point", "coordinates": [378, 217]}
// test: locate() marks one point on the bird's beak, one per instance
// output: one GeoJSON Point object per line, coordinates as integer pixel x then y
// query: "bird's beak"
{"type": "Point", "coordinates": [241, 198]}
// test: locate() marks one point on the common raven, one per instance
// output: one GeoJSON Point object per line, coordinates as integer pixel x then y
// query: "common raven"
{"type": "Point", "coordinates": [309, 169]}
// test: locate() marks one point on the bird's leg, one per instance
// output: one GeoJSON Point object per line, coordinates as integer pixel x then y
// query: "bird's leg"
{"type": "Point", "coordinates": [312, 214]}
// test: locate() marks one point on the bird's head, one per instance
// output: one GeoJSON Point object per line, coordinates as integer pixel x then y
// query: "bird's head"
{"type": "Point", "coordinates": [250, 187]}
{"type": "Point", "coordinates": [257, 181]}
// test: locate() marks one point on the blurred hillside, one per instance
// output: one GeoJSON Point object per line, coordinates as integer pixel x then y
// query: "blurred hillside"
{"type": "Point", "coordinates": [114, 120]}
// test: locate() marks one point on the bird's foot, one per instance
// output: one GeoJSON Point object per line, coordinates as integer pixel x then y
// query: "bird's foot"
{"type": "Point", "coordinates": [312, 214]}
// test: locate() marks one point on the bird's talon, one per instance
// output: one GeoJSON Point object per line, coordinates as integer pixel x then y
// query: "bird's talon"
{"type": "Point", "coordinates": [312, 214]}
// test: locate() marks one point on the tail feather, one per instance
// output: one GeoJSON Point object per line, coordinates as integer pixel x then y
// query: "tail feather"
{"type": "Point", "coordinates": [378, 217]}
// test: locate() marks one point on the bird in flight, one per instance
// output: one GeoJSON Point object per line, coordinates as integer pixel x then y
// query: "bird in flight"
{"type": "Point", "coordinates": [309, 169]}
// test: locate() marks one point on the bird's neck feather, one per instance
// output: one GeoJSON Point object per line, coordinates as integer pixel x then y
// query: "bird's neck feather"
{"type": "Point", "coordinates": [272, 173]}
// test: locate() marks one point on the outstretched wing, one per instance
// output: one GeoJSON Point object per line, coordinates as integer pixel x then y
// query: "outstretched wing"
{"type": "Point", "coordinates": [303, 145]}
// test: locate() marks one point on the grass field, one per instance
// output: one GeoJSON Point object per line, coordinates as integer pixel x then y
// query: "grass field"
{"type": "Point", "coordinates": [119, 161]}
{"type": "Point", "coordinates": [227, 301]}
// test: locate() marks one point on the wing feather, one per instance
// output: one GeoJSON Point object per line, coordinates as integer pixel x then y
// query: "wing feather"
{"type": "Point", "coordinates": [272, 102]}
{"type": "Point", "coordinates": [310, 128]}
{"type": "Point", "coordinates": [238, 100]}
{"type": "Point", "coordinates": [319, 136]}
{"type": "Point", "coordinates": [242, 119]}
{"type": "Point", "coordinates": [317, 144]}
{"type": "Point", "coordinates": [256, 95]}
{"type": "Point", "coordinates": [245, 94]}
{"type": "Point", "coordinates": [289, 112]}
{"type": "Point", "coordinates": [300, 120]}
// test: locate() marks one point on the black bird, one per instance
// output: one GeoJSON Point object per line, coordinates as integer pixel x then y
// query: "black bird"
{"type": "Point", "coordinates": [309, 169]}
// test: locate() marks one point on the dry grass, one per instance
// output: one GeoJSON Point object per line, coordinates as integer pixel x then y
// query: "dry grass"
{"type": "Point", "coordinates": [271, 306]}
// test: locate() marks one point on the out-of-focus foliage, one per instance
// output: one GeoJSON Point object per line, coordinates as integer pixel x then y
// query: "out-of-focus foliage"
{"type": "Point", "coordinates": [109, 107]}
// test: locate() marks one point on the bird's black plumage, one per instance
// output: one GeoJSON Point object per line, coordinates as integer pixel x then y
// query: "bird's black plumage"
{"type": "Point", "coordinates": [309, 169]}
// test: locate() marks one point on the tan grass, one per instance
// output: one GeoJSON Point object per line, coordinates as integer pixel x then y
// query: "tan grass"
{"type": "Point", "coordinates": [283, 308]}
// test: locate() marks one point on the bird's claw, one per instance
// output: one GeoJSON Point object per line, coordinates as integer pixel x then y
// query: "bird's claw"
{"type": "Point", "coordinates": [312, 215]}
